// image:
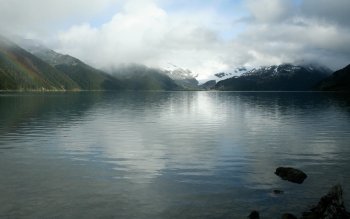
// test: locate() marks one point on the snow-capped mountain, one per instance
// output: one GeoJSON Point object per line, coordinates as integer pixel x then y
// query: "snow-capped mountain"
{"type": "Point", "coordinates": [284, 70]}
{"type": "Point", "coordinates": [286, 77]}
{"type": "Point", "coordinates": [183, 77]}
{"type": "Point", "coordinates": [223, 75]}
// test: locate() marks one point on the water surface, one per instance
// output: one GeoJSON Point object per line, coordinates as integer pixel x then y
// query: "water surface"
{"type": "Point", "coordinates": [168, 154]}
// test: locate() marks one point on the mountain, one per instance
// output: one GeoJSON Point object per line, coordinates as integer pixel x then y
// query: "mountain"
{"type": "Point", "coordinates": [338, 81]}
{"type": "Point", "coordinates": [285, 77]}
{"type": "Point", "coordinates": [40, 68]}
{"type": "Point", "coordinates": [87, 77]}
{"type": "Point", "coordinates": [182, 77]}
{"type": "Point", "coordinates": [208, 85]}
{"type": "Point", "coordinates": [20, 70]}
{"type": "Point", "coordinates": [130, 77]}
{"type": "Point", "coordinates": [223, 75]}
{"type": "Point", "coordinates": [140, 77]}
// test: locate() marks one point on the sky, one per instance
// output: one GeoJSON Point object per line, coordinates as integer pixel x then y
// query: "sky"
{"type": "Point", "coordinates": [204, 36]}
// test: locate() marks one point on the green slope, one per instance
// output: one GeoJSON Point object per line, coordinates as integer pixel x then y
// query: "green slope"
{"type": "Point", "coordinates": [20, 70]}
{"type": "Point", "coordinates": [139, 77]}
{"type": "Point", "coordinates": [87, 77]}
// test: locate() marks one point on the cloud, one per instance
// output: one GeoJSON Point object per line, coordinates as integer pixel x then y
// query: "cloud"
{"type": "Point", "coordinates": [270, 10]}
{"type": "Point", "coordinates": [145, 33]}
{"type": "Point", "coordinates": [333, 11]}
{"type": "Point", "coordinates": [38, 16]}
{"type": "Point", "coordinates": [296, 35]}
{"type": "Point", "coordinates": [276, 31]}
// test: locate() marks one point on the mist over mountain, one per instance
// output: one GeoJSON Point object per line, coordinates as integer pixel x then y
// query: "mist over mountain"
{"type": "Point", "coordinates": [205, 37]}
{"type": "Point", "coordinates": [209, 85]}
{"type": "Point", "coordinates": [127, 76]}
{"type": "Point", "coordinates": [182, 77]}
{"type": "Point", "coordinates": [20, 70]}
{"type": "Point", "coordinates": [41, 68]}
{"type": "Point", "coordinates": [87, 77]}
{"type": "Point", "coordinates": [140, 77]}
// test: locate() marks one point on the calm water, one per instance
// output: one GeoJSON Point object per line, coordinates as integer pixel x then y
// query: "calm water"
{"type": "Point", "coordinates": [169, 154]}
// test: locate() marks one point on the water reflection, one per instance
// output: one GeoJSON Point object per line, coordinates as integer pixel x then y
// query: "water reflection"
{"type": "Point", "coordinates": [168, 154]}
{"type": "Point", "coordinates": [25, 110]}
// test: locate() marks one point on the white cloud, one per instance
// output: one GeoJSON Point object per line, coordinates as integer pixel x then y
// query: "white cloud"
{"type": "Point", "coordinates": [297, 37]}
{"type": "Point", "coordinates": [270, 10]}
{"type": "Point", "coordinates": [145, 33]}
{"type": "Point", "coordinates": [35, 17]}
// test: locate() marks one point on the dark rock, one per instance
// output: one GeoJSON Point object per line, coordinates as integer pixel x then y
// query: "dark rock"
{"type": "Point", "coordinates": [331, 206]}
{"type": "Point", "coordinates": [254, 215]}
{"type": "Point", "coordinates": [277, 191]}
{"type": "Point", "coordinates": [291, 174]}
{"type": "Point", "coordinates": [288, 216]}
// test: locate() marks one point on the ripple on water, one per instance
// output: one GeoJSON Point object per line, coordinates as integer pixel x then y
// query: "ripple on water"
{"type": "Point", "coordinates": [169, 154]}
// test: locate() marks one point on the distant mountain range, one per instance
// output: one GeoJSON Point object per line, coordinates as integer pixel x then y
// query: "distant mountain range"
{"type": "Point", "coordinates": [35, 67]}
{"type": "Point", "coordinates": [285, 77]}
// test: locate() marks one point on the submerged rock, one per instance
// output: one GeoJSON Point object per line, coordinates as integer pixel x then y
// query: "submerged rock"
{"type": "Point", "coordinates": [291, 174]}
{"type": "Point", "coordinates": [331, 206]}
{"type": "Point", "coordinates": [254, 215]}
{"type": "Point", "coordinates": [288, 216]}
{"type": "Point", "coordinates": [277, 191]}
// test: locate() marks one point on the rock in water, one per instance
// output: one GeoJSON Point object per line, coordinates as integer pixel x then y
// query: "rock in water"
{"type": "Point", "coordinates": [277, 191]}
{"type": "Point", "coordinates": [288, 216]}
{"type": "Point", "coordinates": [254, 215]}
{"type": "Point", "coordinates": [291, 174]}
{"type": "Point", "coordinates": [331, 206]}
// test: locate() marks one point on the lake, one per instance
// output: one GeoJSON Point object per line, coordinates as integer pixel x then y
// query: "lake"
{"type": "Point", "coordinates": [169, 154]}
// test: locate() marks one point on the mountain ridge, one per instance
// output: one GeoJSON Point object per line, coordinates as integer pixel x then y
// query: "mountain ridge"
{"type": "Point", "coordinates": [284, 77]}
{"type": "Point", "coordinates": [338, 81]}
{"type": "Point", "coordinates": [35, 67]}
{"type": "Point", "coordinates": [20, 70]}
{"type": "Point", "coordinates": [87, 77]}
